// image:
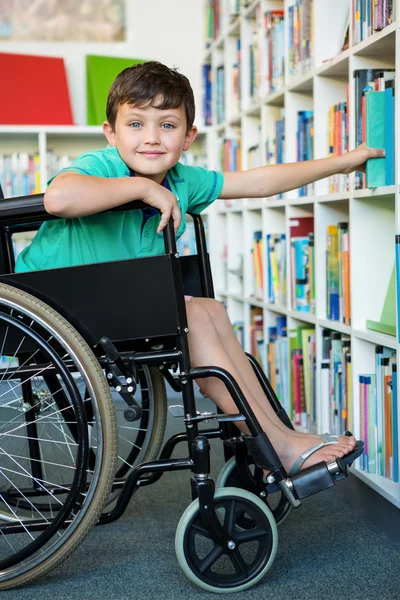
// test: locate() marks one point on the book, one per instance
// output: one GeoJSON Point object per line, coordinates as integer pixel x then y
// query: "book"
{"type": "Point", "coordinates": [100, 74]}
{"type": "Point", "coordinates": [37, 90]}
{"type": "Point", "coordinates": [387, 322]}
{"type": "Point", "coordinates": [375, 137]}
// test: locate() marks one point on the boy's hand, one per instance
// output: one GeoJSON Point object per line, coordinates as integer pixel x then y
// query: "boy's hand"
{"type": "Point", "coordinates": [161, 198]}
{"type": "Point", "coordinates": [356, 159]}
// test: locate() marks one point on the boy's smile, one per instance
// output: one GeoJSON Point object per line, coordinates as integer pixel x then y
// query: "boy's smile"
{"type": "Point", "coordinates": [150, 140]}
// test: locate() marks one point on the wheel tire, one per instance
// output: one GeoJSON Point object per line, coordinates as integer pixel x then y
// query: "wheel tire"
{"type": "Point", "coordinates": [261, 514]}
{"type": "Point", "coordinates": [98, 492]}
{"type": "Point", "coordinates": [226, 478]}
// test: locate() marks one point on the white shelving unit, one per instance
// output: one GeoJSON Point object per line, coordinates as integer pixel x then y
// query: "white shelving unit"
{"type": "Point", "coordinates": [373, 215]}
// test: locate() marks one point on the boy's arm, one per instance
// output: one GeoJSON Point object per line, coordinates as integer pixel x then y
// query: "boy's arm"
{"type": "Point", "coordinates": [263, 182]}
{"type": "Point", "coordinates": [71, 195]}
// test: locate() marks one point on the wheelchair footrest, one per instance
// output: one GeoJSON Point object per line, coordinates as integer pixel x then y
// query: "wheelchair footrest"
{"type": "Point", "coordinates": [313, 479]}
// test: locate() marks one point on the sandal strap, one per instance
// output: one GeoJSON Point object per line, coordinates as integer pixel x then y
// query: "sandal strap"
{"type": "Point", "coordinates": [307, 453]}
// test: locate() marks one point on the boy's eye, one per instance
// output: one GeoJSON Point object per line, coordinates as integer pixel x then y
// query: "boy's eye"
{"type": "Point", "coordinates": [167, 126]}
{"type": "Point", "coordinates": [135, 124]}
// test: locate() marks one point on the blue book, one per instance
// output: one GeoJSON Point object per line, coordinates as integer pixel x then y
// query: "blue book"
{"type": "Point", "coordinates": [397, 252]}
{"type": "Point", "coordinates": [301, 300]}
{"type": "Point", "coordinates": [389, 131]}
{"type": "Point", "coordinates": [375, 137]}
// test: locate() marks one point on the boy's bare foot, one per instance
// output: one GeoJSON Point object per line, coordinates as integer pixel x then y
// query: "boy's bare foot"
{"type": "Point", "coordinates": [290, 448]}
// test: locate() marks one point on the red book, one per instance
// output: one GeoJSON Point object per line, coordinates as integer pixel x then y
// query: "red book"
{"type": "Point", "coordinates": [35, 90]}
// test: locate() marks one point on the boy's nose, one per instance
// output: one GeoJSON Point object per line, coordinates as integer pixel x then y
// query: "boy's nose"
{"type": "Point", "coordinates": [152, 136]}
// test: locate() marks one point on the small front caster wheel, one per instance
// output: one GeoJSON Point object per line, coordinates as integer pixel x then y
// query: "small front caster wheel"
{"type": "Point", "coordinates": [253, 482]}
{"type": "Point", "coordinates": [243, 558]}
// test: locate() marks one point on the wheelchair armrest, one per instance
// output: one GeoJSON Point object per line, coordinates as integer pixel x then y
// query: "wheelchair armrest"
{"type": "Point", "coordinates": [24, 209]}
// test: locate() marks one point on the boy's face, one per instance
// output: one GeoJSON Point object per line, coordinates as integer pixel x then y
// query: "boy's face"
{"type": "Point", "coordinates": [149, 140]}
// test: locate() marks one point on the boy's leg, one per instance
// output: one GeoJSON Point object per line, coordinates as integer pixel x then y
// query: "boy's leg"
{"type": "Point", "coordinates": [206, 348]}
{"type": "Point", "coordinates": [235, 351]}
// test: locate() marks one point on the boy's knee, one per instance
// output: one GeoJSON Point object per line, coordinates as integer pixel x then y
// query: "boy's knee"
{"type": "Point", "coordinates": [197, 315]}
{"type": "Point", "coordinates": [216, 309]}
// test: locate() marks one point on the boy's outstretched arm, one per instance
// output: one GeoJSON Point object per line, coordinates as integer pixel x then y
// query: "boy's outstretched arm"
{"type": "Point", "coordinates": [71, 195]}
{"type": "Point", "coordinates": [263, 182]}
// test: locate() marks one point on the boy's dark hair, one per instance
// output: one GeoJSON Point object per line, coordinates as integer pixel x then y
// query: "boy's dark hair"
{"type": "Point", "coordinates": [147, 83]}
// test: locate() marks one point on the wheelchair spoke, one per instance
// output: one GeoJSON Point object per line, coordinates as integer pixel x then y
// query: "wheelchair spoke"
{"type": "Point", "coordinates": [211, 558]}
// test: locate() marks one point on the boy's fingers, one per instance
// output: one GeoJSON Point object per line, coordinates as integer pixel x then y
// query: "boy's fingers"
{"type": "Point", "coordinates": [165, 217]}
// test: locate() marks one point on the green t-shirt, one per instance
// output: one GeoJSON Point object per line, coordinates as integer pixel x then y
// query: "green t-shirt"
{"type": "Point", "coordinates": [120, 235]}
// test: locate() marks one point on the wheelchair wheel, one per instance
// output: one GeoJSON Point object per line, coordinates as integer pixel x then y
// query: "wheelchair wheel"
{"type": "Point", "coordinates": [244, 557]}
{"type": "Point", "coordinates": [277, 502]}
{"type": "Point", "coordinates": [52, 490]}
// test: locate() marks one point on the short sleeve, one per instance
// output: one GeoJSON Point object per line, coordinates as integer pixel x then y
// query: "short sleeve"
{"type": "Point", "coordinates": [98, 163]}
{"type": "Point", "coordinates": [204, 187]}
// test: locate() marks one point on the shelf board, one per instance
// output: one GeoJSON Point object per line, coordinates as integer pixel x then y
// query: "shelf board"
{"type": "Point", "coordinates": [233, 29]}
{"type": "Point", "coordinates": [249, 10]}
{"type": "Point", "coordinates": [381, 44]}
{"type": "Point", "coordinates": [387, 190]}
{"type": "Point", "coordinates": [335, 326]}
{"type": "Point", "coordinates": [302, 316]}
{"type": "Point", "coordinates": [376, 338]}
{"type": "Point", "coordinates": [255, 302]}
{"type": "Point", "coordinates": [277, 308]}
{"type": "Point", "coordinates": [276, 98]}
{"type": "Point", "coordinates": [338, 66]}
{"type": "Point", "coordinates": [337, 197]}
{"type": "Point", "coordinates": [52, 129]}
{"type": "Point", "coordinates": [301, 83]}
{"type": "Point", "coordinates": [387, 488]}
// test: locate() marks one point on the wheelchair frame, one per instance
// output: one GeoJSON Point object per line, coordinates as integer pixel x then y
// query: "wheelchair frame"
{"type": "Point", "coordinates": [70, 291]}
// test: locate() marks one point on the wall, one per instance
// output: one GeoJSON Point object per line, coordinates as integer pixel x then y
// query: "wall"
{"type": "Point", "coordinates": [170, 31]}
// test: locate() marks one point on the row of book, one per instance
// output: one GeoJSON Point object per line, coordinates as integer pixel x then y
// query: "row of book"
{"type": "Point", "coordinates": [291, 369]}
{"type": "Point", "coordinates": [19, 174]}
{"type": "Point", "coordinates": [20, 171]}
{"type": "Point", "coordinates": [379, 416]}
{"type": "Point", "coordinates": [231, 154]}
{"type": "Point", "coordinates": [370, 16]}
{"type": "Point", "coordinates": [302, 257]}
{"type": "Point", "coordinates": [289, 359]}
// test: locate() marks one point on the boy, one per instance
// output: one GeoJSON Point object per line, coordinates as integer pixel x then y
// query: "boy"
{"type": "Point", "coordinates": [150, 114]}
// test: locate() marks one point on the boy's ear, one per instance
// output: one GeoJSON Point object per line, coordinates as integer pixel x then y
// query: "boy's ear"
{"type": "Point", "coordinates": [190, 137]}
{"type": "Point", "coordinates": [109, 133]}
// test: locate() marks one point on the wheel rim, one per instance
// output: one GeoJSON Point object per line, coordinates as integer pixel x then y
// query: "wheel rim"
{"type": "Point", "coordinates": [223, 568]}
{"type": "Point", "coordinates": [229, 477]}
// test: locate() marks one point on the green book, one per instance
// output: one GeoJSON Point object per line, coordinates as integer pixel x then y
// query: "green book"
{"type": "Point", "coordinates": [100, 74]}
{"type": "Point", "coordinates": [375, 137]}
{"type": "Point", "coordinates": [387, 322]}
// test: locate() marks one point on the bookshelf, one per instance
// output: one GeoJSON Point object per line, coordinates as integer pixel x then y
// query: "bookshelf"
{"type": "Point", "coordinates": [311, 73]}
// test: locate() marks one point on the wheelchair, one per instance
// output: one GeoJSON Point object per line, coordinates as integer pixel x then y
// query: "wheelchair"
{"type": "Point", "coordinates": [83, 364]}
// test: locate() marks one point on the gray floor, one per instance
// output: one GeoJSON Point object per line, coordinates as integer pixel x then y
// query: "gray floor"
{"type": "Point", "coordinates": [341, 544]}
